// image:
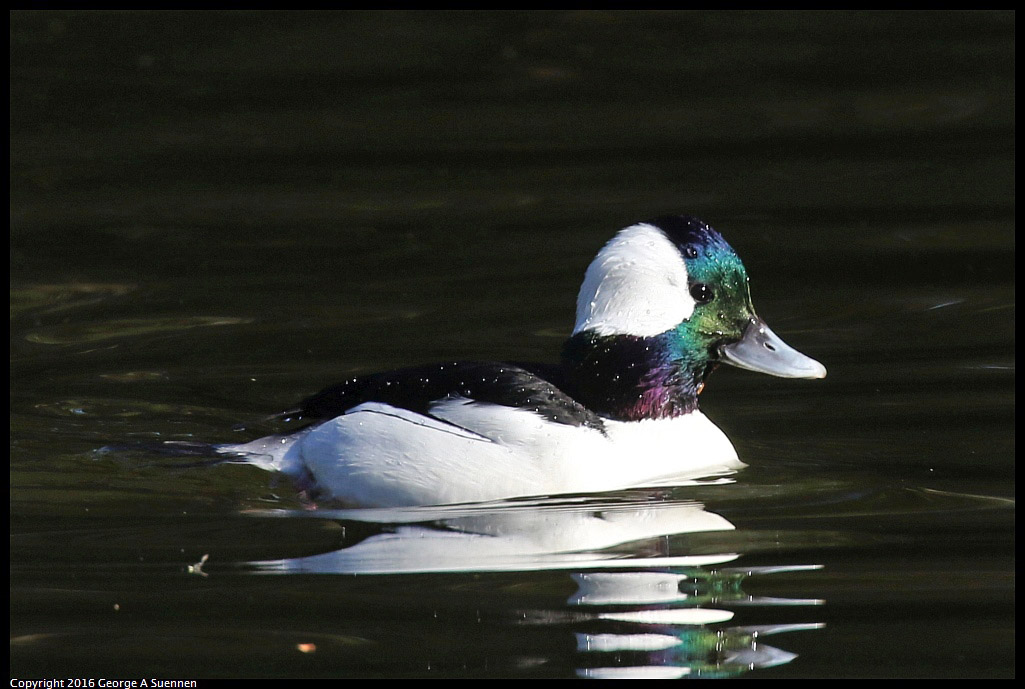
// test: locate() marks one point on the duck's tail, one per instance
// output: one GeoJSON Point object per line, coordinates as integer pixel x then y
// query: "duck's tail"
{"type": "Point", "coordinates": [278, 453]}
{"type": "Point", "coordinates": [205, 454]}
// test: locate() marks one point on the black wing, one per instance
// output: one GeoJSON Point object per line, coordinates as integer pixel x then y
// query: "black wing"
{"type": "Point", "coordinates": [415, 389]}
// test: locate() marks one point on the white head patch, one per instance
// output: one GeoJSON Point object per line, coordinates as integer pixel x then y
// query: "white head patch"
{"type": "Point", "coordinates": [636, 285]}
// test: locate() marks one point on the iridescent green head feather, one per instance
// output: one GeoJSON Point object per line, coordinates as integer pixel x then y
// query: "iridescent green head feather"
{"type": "Point", "coordinates": [717, 282]}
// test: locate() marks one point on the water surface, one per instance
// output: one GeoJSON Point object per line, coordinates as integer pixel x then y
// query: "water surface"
{"type": "Point", "coordinates": [214, 215]}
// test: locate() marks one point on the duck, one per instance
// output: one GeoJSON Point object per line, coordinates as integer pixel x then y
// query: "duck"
{"type": "Point", "coordinates": [663, 303]}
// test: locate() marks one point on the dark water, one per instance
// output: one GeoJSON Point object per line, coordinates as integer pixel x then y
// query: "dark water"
{"type": "Point", "coordinates": [213, 215]}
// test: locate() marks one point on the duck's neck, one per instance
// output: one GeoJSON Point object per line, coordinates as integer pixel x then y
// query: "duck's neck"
{"type": "Point", "coordinates": [630, 378]}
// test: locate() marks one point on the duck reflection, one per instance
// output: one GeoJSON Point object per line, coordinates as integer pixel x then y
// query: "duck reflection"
{"type": "Point", "coordinates": [648, 601]}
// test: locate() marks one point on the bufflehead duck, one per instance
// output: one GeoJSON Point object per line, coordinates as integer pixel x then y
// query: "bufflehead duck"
{"type": "Point", "coordinates": [661, 305]}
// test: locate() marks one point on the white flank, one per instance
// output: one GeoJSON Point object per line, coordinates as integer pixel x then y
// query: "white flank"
{"type": "Point", "coordinates": [384, 456]}
{"type": "Point", "coordinates": [636, 285]}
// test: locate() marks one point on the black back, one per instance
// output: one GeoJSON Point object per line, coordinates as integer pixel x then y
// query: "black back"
{"type": "Point", "coordinates": [521, 386]}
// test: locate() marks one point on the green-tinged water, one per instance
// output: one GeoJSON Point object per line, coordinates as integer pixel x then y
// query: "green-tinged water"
{"type": "Point", "coordinates": [216, 214]}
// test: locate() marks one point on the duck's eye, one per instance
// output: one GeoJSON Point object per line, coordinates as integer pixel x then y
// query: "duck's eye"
{"type": "Point", "coordinates": [701, 293]}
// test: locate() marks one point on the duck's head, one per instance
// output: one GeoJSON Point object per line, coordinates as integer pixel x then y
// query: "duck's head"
{"type": "Point", "coordinates": [674, 288]}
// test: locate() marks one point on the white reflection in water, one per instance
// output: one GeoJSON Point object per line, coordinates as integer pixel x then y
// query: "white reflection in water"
{"type": "Point", "coordinates": [521, 538]}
